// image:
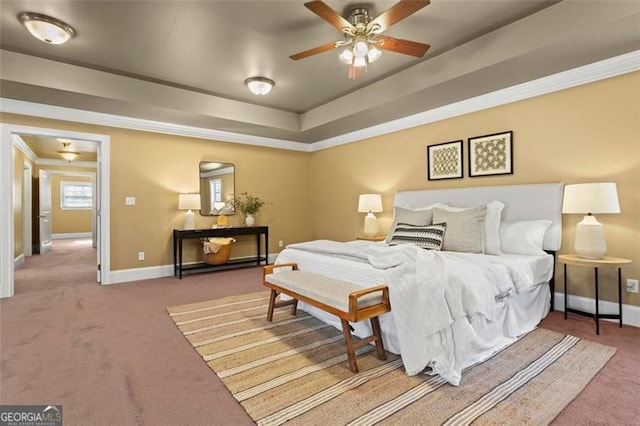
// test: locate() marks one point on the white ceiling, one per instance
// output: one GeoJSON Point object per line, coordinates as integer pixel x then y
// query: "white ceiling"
{"type": "Point", "coordinates": [185, 62]}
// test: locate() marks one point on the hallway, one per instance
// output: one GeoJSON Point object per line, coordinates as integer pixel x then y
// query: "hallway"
{"type": "Point", "coordinates": [71, 262]}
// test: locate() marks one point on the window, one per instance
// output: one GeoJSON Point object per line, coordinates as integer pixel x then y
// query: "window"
{"type": "Point", "coordinates": [215, 189]}
{"type": "Point", "coordinates": [76, 195]}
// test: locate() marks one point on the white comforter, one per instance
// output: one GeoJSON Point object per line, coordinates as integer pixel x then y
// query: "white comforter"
{"type": "Point", "coordinates": [439, 299]}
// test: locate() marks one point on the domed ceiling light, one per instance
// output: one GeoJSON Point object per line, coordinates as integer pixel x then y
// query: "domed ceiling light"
{"type": "Point", "coordinates": [259, 85]}
{"type": "Point", "coordinates": [67, 153]}
{"type": "Point", "coordinates": [47, 29]}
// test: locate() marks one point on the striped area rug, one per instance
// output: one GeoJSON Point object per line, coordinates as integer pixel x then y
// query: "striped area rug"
{"type": "Point", "coordinates": [295, 370]}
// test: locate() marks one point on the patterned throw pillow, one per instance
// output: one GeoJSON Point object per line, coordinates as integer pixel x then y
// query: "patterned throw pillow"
{"type": "Point", "coordinates": [410, 216]}
{"type": "Point", "coordinates": [428, 237]}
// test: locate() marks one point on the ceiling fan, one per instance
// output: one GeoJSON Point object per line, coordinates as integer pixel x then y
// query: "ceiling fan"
{"type": "Point", "coordinates": [363, 35]}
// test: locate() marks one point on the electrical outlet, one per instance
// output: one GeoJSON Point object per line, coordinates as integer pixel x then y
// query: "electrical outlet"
{"type": "Point", "coordinates": [141, 255]}
{"type": "Point", "coordinates": [280, 244]}
{"type": "Point", "coordinates": [632, 286]}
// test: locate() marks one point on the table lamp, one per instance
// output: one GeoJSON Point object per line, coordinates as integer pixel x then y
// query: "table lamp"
{"type": "Point", "coordinates": [370, 203]}
{"type": "Point", "coordinates": [590, 198]}
{"type": "Point", "coordinates": [189, 202]}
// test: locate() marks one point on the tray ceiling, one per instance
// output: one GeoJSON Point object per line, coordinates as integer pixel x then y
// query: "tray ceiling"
{"type": "Point", "coordinates": [185, 62]}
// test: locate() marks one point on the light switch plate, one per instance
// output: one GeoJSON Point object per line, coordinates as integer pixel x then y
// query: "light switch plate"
{"type": "Point", "coordinates": [130, 201]}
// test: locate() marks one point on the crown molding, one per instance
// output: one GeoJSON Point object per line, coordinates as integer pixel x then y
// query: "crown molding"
{"type": "Point", "coordinates": [14, 106]}
{"type": "Point", "coordinates": [600, 70]}
{"type": "Point", "coordinates": [19, 143]}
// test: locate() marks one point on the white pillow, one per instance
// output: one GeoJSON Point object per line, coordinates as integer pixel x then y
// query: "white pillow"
{"type": "Point", "coordinates": [524, 237]}
{"type": "Point", "coordinates": [491, 225]}
{"type": "Point", "coordinates": [492, 222]}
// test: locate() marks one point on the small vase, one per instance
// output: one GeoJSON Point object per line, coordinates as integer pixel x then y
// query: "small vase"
{"type": "Point", "coordinates": [249, 220]}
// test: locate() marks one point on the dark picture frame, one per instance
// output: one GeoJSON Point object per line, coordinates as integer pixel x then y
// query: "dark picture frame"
{"type": "Point", "coordinates": [491, 155]}
{"type": "Point", "coordinates": [444, 160]}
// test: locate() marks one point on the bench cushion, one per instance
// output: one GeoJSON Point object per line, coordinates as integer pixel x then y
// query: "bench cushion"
{"type": "Point", "coordinates": [334, 293]}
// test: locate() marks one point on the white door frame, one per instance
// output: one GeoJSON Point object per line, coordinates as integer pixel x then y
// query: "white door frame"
{"type": "Point", "coordinates": [6, 198]}
{"type": "Point", "coordinates": [27, 207]}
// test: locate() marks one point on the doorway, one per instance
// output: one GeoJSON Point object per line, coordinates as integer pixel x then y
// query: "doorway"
{"type": "Point", "coordinates": [9, 134]}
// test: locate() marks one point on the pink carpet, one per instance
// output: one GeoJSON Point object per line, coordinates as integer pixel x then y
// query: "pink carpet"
{"type": "Point", "coordinates": [111, 355]}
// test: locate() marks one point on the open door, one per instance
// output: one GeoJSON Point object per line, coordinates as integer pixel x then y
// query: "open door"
{"type": "Point", "coordinates": [44, 211]}
{"type": "Point", "coordinates": [97, 214]}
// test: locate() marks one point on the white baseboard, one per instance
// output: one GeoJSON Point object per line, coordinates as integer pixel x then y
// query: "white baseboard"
{"type": "Point", "coordinates": [18, 260]}
{"type": "Point", "coordinates": [137, 274]}
{"type": "Point", "coordinates": [151, 272]}
{"type": "Point", "coordinates": [71, 236]}
{"type": "Point", "coordinates": [630, 313]}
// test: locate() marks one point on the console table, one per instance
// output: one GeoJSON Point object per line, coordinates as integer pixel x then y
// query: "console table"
{"type": "Point", "coordinates": [179, 235]}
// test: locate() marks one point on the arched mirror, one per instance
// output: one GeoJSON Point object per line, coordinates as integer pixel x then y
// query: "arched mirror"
{"type": "Point", "coordinates": [217, 188]}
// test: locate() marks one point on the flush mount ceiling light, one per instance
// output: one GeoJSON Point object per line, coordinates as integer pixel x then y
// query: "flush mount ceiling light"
{"type": "Point", "coordinates": [259, 85]}
{"type": "Point", "coordinates": [45, 28]}
{"type": "Point", "coordinates": [67, 153]}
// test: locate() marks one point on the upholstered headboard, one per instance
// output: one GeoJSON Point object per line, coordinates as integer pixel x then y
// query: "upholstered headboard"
{"type": "Point", "coordinates": [523, 202]}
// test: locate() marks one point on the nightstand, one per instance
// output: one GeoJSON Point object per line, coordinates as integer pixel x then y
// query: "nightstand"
{"type": "Point", "coordinates": [373, 238]}
{"type": "Point", "coordinates": [605, 262]}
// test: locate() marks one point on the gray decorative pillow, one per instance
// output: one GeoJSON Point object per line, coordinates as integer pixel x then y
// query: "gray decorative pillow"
{"type": "Point", "coordinates": [428, 237]}
{"type": "Point", "coordinates": [410, 217]}
{"type": "Point", "coordinates": [465, 229]}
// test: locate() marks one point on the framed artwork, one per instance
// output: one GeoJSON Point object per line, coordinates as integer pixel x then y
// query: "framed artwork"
{"type": "Point", "coordinates": [444, 160]}
{"type": "Point", "coordinates": [491, 154]}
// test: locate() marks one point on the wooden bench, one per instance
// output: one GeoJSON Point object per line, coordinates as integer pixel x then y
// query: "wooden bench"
{"type": "Point", "coordinates": [346, 300]}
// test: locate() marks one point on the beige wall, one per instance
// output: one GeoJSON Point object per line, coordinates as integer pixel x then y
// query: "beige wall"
{"type": "Point", "coordinates": [67, 221]}
{"type": "Point", "coordinates": [584, 134]}
{"type": "Point", "coordinates": [589, 133]}
{"type": "Point", "coordinates": [154, 168]}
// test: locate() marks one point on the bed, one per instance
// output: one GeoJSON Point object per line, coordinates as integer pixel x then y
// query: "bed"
{"type": "Point", "coordinates": [456, 306]}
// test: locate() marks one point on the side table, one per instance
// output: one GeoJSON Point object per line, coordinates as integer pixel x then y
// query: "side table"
{"type": "Point", "coordinates": [605, 262]}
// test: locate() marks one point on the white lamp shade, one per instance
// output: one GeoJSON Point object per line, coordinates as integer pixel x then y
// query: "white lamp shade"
{"type": "Point", "coordinates": [370, 203]}
{"type": "Point", "coordinates": [189, 201]}
{"type": "Point", "coordinates": [593, 198]}
{"type": "Point", "coordinates": [587, 199]}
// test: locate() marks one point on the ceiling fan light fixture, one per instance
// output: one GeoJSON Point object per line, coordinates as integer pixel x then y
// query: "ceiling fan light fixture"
{"type": "Point", "coordinates": [359, 62]}
{"type": "Point", "coordinates": [373, 54]}
{"type": "Point", "coordinates": [346, 56]}
{"type": "Point", "coordinates": [360, 49]}
{"type": "Point", "coordinates": [47, 29]}
{"type": "Point", "coordinates": [259, 85]}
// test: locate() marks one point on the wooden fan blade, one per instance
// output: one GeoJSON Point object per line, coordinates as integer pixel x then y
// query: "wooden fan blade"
{"type": "Point", "coordinates": [314, 51]}
{"type": "Point", "coordinates": [406, 47]}
{"type": "Point", "coordinates": [397, 12]}
{"type": "Point", "coordinates": [331, 16]}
